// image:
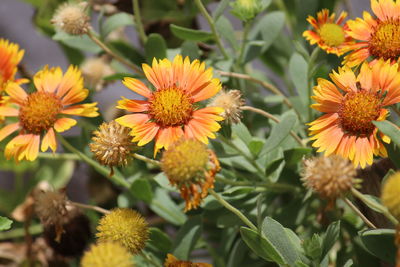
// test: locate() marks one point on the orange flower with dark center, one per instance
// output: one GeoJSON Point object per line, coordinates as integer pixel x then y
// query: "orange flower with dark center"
{"type": "Point", "coordinates": [172, 261]}
{"type": "Point", "coordinates": [378, 38]}
{"type": "Point", "coordinates": [351, 104]}
{"type": "Point", "coordinates": [328, 33]}
{"type": "Point", "coordinates": [170, 111]}
{"type": "Point", "coordinates": [44, 111]}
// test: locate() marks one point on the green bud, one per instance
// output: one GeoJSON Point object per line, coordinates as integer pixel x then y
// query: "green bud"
{"type": "Point", "coordinates": [246, 9]}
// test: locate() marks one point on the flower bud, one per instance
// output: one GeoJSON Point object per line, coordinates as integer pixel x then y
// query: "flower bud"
{"type": "Point", "coordinates": [71, 18]}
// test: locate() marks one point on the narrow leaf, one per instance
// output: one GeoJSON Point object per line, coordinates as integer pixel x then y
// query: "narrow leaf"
{"type": "Point", "coordinates": [190, 34]}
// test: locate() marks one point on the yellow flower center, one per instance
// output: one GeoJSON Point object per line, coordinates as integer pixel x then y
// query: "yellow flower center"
{"type": "Point", "coordinates": [385, 41]}
{"type": "Point", "coordinates": [170, 107]}
{"type": "Point", "coordinates": [39, 112]}
{"type": "Point", "coordinates": [358, 110]}
{"type": "Point", "coordinates": [332, 34]}
{"type": "Point", "coordinates": [185, 161]}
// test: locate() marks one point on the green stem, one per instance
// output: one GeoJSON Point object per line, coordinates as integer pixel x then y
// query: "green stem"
{"type": "Point", "coordinates": [146, 159]}
{"type": "Point", "coordinates": [246, 31]}
{"type": "Point", "coordinates": [63, 156]}
{"type": "Point", "coordinates": [138, 21]}
{"type": "Point", "coordinates": [117, 177]}
{"type": "Point", "coordinates": [359, 213]}
{"type": "Point", "coordinates": [210, 21]}
{"type": "Point", "coordinates": [374, 205]}
{"type": "Point", "coordinates": [232, 209]}
{"type": "Point", "coordinates": [20, 232]}
{"type": "Point", "coordinates": [149, 259]}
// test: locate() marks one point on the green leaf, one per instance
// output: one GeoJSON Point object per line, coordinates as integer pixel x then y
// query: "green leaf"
{"type": "Point", "coordinates": [160, 240]}
{"type": "Point", "coordinates": [155, 47]}
{"type": "Point", "coordinates": [241, 131]}
{"type": "Point", "coordinates": [128, 51]}
{"type": "Point", "coordinates": [294, 155]}
{"type": "Point", "coordinates": [255, 146]}
{"type": "Point", "coordinates": [83, 43]}
{"type": "Point", "coordinates": [375, 200]}
{"type": "Point", "coordinates": [141, 189]}
{"type": "Point", "coordinates": [119, 76]}
{"type": "Point", "coordinates": [298, 70]}
{"type": "Point", "coordinates": [380, 243]}
{"type": "Point", "coordinates": [330, 238]}
{"type": "Point", "coordinates": [187, 237]}
{"type": "Point", "coordinates": [279, 132]}
{"type": "Point", "coordinates": [313, 247]}
{"type": "Point", "coordinates": [220, 9]}
{"type": "Point", "coordinates": [389, 129]}
{"type": "Point", "coordinates": [190, 49]}
{"type": "Point", "coordinates": [166, 208]}
{"type": "Point", "coordinates": [190, 34]}
{"type": "Point", "coordinates": [116, 21]}
{"type": "Point", "coordinates": [261, 246]}
{"type": "Point", "coordinates": [237, 254]}
{"type": "Point", "coordinates": [277, 235]}
{"type": "Point", "coordinates": [5, 223]}
{"type": "Point", "coordinates": [225, 28]}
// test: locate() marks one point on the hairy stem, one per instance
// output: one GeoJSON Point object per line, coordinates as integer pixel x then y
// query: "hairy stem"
{"type": "Point", "coordinates": [138, 21]}
{"type": "Point", "coordinates": [359, 213]}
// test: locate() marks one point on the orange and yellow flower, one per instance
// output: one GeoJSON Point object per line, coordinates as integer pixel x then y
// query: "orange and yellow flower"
{"type": "Point", "coordinates": [378, 38]}
{"type": "Point", "coordinates": [170, 111]}
{"type": "Point", "coordinates": [351, 104]}
{"type": "Point", "coordinates": [328, 33]}
{"type": "Point", "coordinates": [172, 261]}
{"type": "Point", "coordinates": [44, 111]}
{"type": "Point", "coordinates": [10, 56]}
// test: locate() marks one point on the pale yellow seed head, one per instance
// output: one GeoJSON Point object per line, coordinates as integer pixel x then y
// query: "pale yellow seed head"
{"type": "Point", "coordinates": [330, 177]}
{"type": "Point", "coordinates": [231, 101]}
{"type": "Point", "coordinates": [332, 34]}
{"type": "Point", "coordinates": [126, 227]}
{"type": "Point", "coordinates": [72, 18]}
{"type": "Point", "coordinates": [94, 70]}
{"type": "Point", "coordinates": [107, 254]}
{"type": "Point", "coordinates": [185, 160]}
{"type": "Point", "coordinates": [391, 194]}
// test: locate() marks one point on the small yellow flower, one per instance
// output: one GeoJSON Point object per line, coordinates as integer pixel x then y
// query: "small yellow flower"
{"type": "Point", "coordinates": [391, 194]}
{"type": "Point", "coordinates": [112, 145]}
{"type": "Point", "coordinates": [107, 254]}
{"type": "Point", "coordinates": [172, 261]}
{"type": "Point", "coordinates": [125, 226]}
{"type": "Point", "coordinates": [191, 167]}
{"type": "Point", "coordinates": [71, 18]}
{"type": "Point", "coordinates": [330, 176]}
{"type": "Point", "coordinates": [231, 101]}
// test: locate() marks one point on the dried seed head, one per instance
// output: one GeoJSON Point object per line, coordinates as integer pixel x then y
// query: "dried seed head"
{"type": "Point", "coordinates": [231, 101]}
{"type": "Point", "coordinates": [51, 207]}
{"type": "Point", "coordinates": [330, 176]}
{"type": "Point", "coordinates": [112, 144]}
{"type": "Point", "coordinates": [94, 70]}
{"type": "Point", "coordinates": [191, 167]}
{"type": "Point", "coordinates": [391, 194]}
{"type": "Point", "coordinates": [126, 227]}
{"type": "Point", "coordinates": [71, 18]}
{"type": "Point", "coordinates": [107, 254]}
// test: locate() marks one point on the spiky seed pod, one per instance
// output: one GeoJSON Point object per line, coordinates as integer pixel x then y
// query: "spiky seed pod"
{"type": "Point", "coordinates": [330, 176]}
{"type": "Point", "coordinates": [112, 144]}
{"type": "Point", "coordinates": [191, 167]}
{"type": "Point", "coordinates": [51, 207]}
{"type": "Point", "coordinates": [125, 226]}
{"type": "Point", "coordinates": [71, 18]}
{"type": "Point", "coordinates": [391, 194]}
{"type": "Point", "coordinates": [231, 101]}
{"type": "Point", "coordinates": [107, 254]}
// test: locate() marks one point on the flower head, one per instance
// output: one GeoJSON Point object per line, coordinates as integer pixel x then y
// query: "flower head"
{"type": "Point", "coordinates": [51, 207]}
{"type": "Point", "coordinates": [94, 70]}
{"type": "Point", "coordinates": [126, 227]}
{"type": "Point", "coordinates": [328, 33]}
{"type": "Point", "coordinates": [170, 111]}
{"type": "Point", "coordinates": [246, 9]}
{"type": "Point", "coordinates": [351, 104]}
{"type": "Point", "coordinates": [44, 111]}
{"type": "Point", "coordinates": [107, 254]}
{"type": "Point", "coordinates": [391, 194]}
{"type": "Point", "coordinates": [231, 101]}
{"type": "Point", "coordinates": [377, 38]}
{"type": "Point", "coordinates": [71, 18]}
{"type": "Point", "coordinates": [191, 167]}
{"type": "Point", "coordinates": [112, 144]}
{"type": "Point", "coordinates": [330, 176]}
{"type": "Point", "coordinates": [10, 56]}
{"type": "Point", "coordinates": [172, 261]}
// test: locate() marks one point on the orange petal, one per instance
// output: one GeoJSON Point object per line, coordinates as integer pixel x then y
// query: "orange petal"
{"type": "Point", "coordinates": [72, 80]}
{"type": "Point", "coordinates": [137, 86]}
{"type": "Point", "coordinates": [133, 105]}
{"type": "Point", "coordinates": [16, 92]}
{"type": "Point", "coordinates": [7, 130]}
{"type": "Point", "coordinates": [133, 120]}
{"type": "Point", "coordinates": [64, 124]}
{"type": "Point", "coordinates": [49, 140]}
{"type": "Point", "coordinates": [48, 79]}
{"type": "Point", "coordinates": [8, 112]}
